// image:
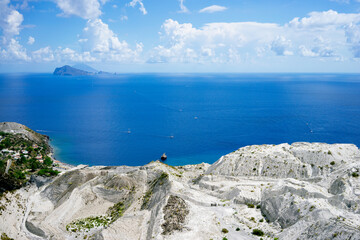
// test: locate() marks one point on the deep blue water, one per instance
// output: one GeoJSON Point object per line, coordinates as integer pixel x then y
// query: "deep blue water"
{"type": "Point", "coordinates": [208, 115]}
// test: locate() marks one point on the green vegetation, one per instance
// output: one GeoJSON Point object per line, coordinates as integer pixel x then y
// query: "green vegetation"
{"type": "Point", "coordinates": [88, 223]}
{"type": "Point", "coordinates": [237, 229]}
{"type": "Point", "coordinates": [224, 230]}
{"type": "Point", "coordinates": [24, 158]}
{"type": "Point", "coordinates": [250, 205]}
{"type": "Point", "coordinates": [5, 237]}
{"type": "Point", "coordinates": [332, 163]}
{"type": "Point", "coordinates": [48, 172]}
{"type": "Point", "coordinates": [85, 224]}
{"type": "Point", "coordinates": [258, 232]}
{"type": "Point", "coordinates": [158, 181]}
{"type": "Point", "coordinates": [355, 174]}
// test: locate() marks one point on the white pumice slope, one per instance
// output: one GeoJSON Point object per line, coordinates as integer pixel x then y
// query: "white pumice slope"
{"type": "Point", "coordinates": [298, 191]}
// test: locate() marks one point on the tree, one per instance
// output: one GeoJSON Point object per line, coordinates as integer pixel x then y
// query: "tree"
{"type": "Point", "coordinates": [48, 161]}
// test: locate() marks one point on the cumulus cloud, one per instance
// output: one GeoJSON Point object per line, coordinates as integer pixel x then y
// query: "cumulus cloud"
{"type": "Point", "coordinates": [31, 40]}
{"type": "Point", "coordinates": [14, 51]}
{"type": "Point", "coordinates": [99, 40]}
{"type": "Point", "coordinates": [87, 9]}
{"type": "Point", "coordinates": [326, 34]}
{"type": "Point", "coordinates": [325, 20]}
{"type": "Point", "coordinates": [142, 9]}
{"type": "Point", "coordinates": [43, 55]}
{"type": "Point", "coordinates": [10, 20]}
{"type": "Point", "coordinates": [213, 42]}
{"type": "Point", "coordinates": [212, 9]}
{"type": "Point", "coordinates": [281, 46]}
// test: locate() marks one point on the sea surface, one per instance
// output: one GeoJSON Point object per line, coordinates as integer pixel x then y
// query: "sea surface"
{"type": "Point", "coordinates": [132, 119]}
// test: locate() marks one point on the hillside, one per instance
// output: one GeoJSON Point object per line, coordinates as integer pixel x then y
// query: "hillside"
{"type": "Point", "coordinates": [23, 154]}
{"type": "Point", "coordinates": [298, 191]}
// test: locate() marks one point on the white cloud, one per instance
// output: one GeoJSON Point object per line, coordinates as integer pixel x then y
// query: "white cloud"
{"type": "Point", "coordinates": [142, 9]}
{"type": "Point", "coordinates": [325, 20]}
{"type": "Point", "coordinates": [326, 34]}
{"type": "Point", "coordinates": [183, 8]}
{"type": "Point", "coordinates": [212, 9]}
{"type": "Point", "coordinates": [14, 51]}
{"type": "Point", "coordinates": [10, 20]}
{"type": "Point", "coordinates": [103, 43]}
{"type": "Point", "coordinates": [213, 42]}
{"type": "Point", "coordinates": [43, 55]}
{"type": "Point", "coordinates": [281, 46]}
{"type": "Point", "coordinates": [352, 33]}
{"type": "Point", "coordinates": [31, 40]}
{"type": "Point", "coordinates": [87, 9]}
{"type": "Point", "coordinates": [70, 55]}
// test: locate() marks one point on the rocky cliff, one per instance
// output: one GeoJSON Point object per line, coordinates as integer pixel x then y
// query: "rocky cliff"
{"type": "Point", "coordinates": [298, 191]}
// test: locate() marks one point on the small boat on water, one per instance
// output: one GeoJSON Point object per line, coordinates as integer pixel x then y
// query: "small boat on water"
{"type": "Point", "coordinates": [163, 157]}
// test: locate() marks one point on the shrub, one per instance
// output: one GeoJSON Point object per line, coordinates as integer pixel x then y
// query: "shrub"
{"type": "Point", "coordinates": [355, 174]}
{"type": "Point", "coordinates": [332, 163]}
{"type": "Point", "coordinates": [237, 229]}
{"type": "Point", "coordinates": [250, 205]}
{"type": "Point", "coordinates": [48, 172]}
{"type": "Point", "coordinates": [258, 232]}
{"type": "Point", "coordinates": [224, 230]}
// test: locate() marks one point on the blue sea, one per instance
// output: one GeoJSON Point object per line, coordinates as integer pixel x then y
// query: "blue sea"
{"type": "Point", "coordinates": [132, 119]}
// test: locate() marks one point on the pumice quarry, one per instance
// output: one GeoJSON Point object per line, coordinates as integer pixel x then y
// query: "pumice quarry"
{"type": "Point", "coordinates": [287, 191]}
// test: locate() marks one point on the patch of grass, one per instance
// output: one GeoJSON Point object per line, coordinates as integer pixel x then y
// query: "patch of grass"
{"type": "Point", "coordinates": [85, 224]}
{"type": "Point", "coordinates": [88, 223]}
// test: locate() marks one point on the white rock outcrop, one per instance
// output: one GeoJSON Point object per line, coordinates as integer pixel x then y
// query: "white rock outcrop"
{"type": "Point", "coordinates": [297, 191]}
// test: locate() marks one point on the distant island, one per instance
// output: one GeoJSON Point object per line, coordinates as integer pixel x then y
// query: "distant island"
{"type": "Point", "coordinates": [78, 70]}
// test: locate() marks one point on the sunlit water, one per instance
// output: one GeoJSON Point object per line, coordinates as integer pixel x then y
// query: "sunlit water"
{"type": "Point", "coordinates": [133, 119]}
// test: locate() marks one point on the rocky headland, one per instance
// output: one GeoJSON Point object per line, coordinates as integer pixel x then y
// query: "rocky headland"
{"type": "Point", "coordinates": [79, 70]}
{"type": "Point", "coordinates": [297, 191]}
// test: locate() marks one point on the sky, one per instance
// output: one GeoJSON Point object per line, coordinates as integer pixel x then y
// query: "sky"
{"type": "Point", "coordinates": [181, 35]}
